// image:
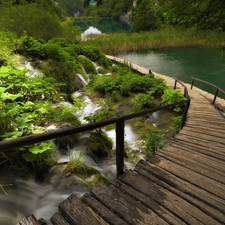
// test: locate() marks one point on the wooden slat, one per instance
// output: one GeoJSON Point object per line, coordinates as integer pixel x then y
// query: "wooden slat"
{"type": "Point", "coordinates": [77, 213]}
{"type": "Point", "coordinates": [29, 220]}
{"type": "Point", "coordinates": [196, 166]}
{"type": "Point", "coordinates": [126, 207]}
{"type": "Point", "coordinates": [159, 209]}
{"type": "Point", "coordinates": [103, 211]}
{"type": "Point", "coordinates": [191, 176]}
{"type": "Point", "coordinates": [198, 197]}
{"type": "Point", "coordinates": [179, 207]}
{"type": "Point", "coordinates": [58, 219]}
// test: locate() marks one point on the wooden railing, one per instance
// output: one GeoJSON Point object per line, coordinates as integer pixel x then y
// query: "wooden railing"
{"type": "Point", "coordinates": [119, 121]}
{"type": "Point", "coordinates": [210, 84]}
{"type": "Point", "coordinates": [187, 104]}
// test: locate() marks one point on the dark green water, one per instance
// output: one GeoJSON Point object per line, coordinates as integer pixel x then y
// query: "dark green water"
{"type": "Point", "coordinates": [184, 63]}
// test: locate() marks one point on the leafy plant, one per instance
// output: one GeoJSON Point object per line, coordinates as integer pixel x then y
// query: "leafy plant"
{"type": "Point", "coordinates": [153, 142]}
{"type": "Point", "coordinates": [171, 96]}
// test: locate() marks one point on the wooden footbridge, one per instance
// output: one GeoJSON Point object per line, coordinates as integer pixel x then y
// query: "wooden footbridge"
{"type": "Point", "coordinates": [183, 184]}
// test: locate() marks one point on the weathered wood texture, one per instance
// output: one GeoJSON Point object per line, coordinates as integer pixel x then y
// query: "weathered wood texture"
{"type": "Point", "coordinates": [183, 184]}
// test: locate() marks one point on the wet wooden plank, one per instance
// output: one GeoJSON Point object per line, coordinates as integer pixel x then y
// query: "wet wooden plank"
{"type": "Point", "coordinates": [191, 176]}
{"type": "Point", "coordinates": [216, 160]}
{"type": "Point", "coordinates": [206, 136]}
{"type": "Point", "coordinates": [77, 213]}
{"type": "Point", "coordinates": [178, 206]}
{"type": "Point", "coordinates": [202, 130]}
{"type": "Point", "coordinates": [29, 220]}
{"type": "Point", "coordinates": [103, 211]}
{"type": "Point", "coordinates": [126, 207]}
{"type": "Point", "coordinates": [160, 210]}
{"type": "Point", "coordinates": [58, 219]}
{"type": "Point", "coordinates": [194, 157]}
{"type": "Point", "coordinates": [196, 166]}
{"type": "Point", "coordinates": [196, 144]}
{"type": "Point", "coordinates": [195, 196]}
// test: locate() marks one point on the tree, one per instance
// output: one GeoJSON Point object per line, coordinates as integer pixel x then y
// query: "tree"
{"type": "Point", "coordinates": [87, 2]}
{"type": "Point", "coordinates": [145, 18]}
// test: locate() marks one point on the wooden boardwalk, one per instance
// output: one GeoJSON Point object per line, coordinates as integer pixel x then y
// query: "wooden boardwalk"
{"type": "Point", "coordinates": [183, 184]}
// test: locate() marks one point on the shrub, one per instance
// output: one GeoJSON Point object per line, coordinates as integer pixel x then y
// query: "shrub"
{"type": "Point", "coordinates": [100, 144]}
{"type": "Point", "coordinates": [171, 96]}
{"type": "Point", "coordinates": [153, 142]}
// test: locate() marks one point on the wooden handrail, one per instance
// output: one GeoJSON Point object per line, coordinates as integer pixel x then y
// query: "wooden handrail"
{"type": "Point", "coordinates": [213, 85]}
{"type": "Point", "coordinates": [119, 121]}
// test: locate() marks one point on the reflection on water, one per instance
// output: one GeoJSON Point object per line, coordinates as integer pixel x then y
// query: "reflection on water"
{"type": "Point", "coordinates": [184, 63]}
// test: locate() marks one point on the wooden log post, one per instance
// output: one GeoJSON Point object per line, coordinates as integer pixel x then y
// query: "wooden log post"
{"type": "Point", "coordinates": [120, 146]}
{"type": "Point", "coordinates": [192, 83]}
{"type": "Point", "coordinates": [175, 84]}
{"type": "Point", "coordinates": [215, 96]}
{"type": "Point", "coordinates": [187, 104]}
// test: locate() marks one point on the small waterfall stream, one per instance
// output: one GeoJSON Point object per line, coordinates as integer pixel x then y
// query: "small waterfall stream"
{"type": "Point", "coordinates": [26, 196]}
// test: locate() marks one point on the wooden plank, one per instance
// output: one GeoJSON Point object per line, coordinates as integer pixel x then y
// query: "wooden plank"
{"type": "Point", "coordinates": [126, 207]}
{"type": "Point", "coordinates": [197, 144]}
{"type": "Point", "coordinates": [202, 130]}
{"type": "Point", "coordinates": [196, 166]}
{"type": "Point", "coordinates": [191, 176]}
{"type": "Point", "coordinates": [58, 219]}
{"type": "Point", "coordinates": [103, 211]}
{"type": "Point", "coordinates": [215, 158]}
{"type": "Point", "coordinates": [77, 213]}
{"type": "Point", "coordinates": [194, 157]}
{"type": "Point", "coordinates": [29, 220]}
{"type": "Point", "coordinates": [178, 206]}
{"type": "Point", "coordinates": [198, 197]}
{"type": "Point", "coordinates": [160, 210]}
{"type": "Point", "coordinates": [193, 124]}
{"type": "Point", "coordinates": [206, 137]}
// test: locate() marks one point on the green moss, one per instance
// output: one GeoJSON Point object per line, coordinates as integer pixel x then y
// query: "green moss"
{"type": "Point", "coordinates": [98, 178]}
{"type": "Point", "coordinates": [79, 169]}
{"type": "Point", "coordinates": [100, 144]}
{"type": "Point", "coordinates": [87, 65]}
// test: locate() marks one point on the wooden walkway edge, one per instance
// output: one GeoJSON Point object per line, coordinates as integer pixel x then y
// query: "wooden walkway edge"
{"type": "Point", "coordinates": [183, 184]}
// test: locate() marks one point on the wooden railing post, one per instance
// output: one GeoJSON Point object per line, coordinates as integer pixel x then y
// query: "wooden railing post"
{"type": "Point", "coordinates": [120, 146]}
{"type": "Point", "coordinates": [187, 104]}
{"type": "Point", "coordinates": [192, 82]}
{"type": "Point", "coordinates": [175, 84]}
{"type": "Point", "coordinates": [213, 102]}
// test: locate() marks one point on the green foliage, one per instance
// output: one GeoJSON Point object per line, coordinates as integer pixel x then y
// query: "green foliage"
{"type": "Point", "coordinates": [101, 115]}
{"type": "Point", "coordinates": [99, 144]}
{"type": "Point", "coordinates": [87, 64]}
{"type": "Point", "coordinates": [176, 124]}
{"type": "Point", "coordinates": [203, 14]}
{"type": "Point", "coordinates": [26, 103]}
{"type": "Point", "coordinates": [143, 101]}
{"type": "Point", "coordinates": [145, 18]}
{"type": "Point", "coordinates": [153, 142]}
{"type": "Point", "coordinates": [77, 167]}
{"type": "Point", "coordinates": [110, 8]}
{"type": "Point", "coordinates": [171, 96]}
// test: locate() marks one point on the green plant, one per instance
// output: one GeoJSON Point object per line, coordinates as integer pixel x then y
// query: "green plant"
{"type": "Point", "coordinates": [171, 96]}
{"type": "Point", "coordinates": [153, 142]}
{"type": "Point", "coordinates": [143, 101]}
{"type": "Point", "coordinates": [100, 144]}
{"type": "Point", "coordinates": [176, 124]}
{"type": "Point", "coordinates": [76, 165]}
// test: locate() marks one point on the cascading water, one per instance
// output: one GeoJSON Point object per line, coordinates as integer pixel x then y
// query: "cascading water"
{"type": "Point", "coordinates": [27, 197]}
